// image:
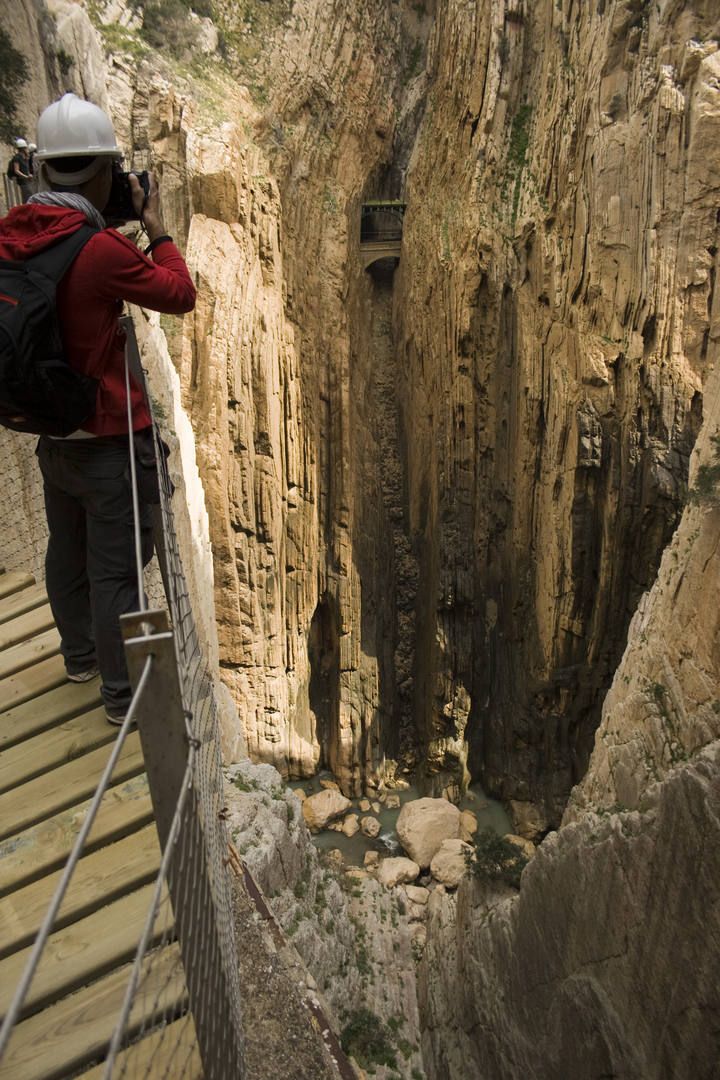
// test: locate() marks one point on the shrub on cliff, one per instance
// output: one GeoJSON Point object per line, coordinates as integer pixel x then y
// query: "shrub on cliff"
{"type": "Point", "coordinates": [493, 858]}
{"type": "Point", "coordinates": [366, 1038]}
{"type": "Point", "coordinates": [13, 73]}
{"type": "Point", "coordinates": [706, 490]}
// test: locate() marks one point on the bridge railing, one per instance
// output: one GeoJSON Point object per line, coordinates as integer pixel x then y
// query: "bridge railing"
{"type": "Point", "coordinates": [179, 1012]}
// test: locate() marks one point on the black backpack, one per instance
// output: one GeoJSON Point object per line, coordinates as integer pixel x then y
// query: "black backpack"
{"type": "Point", "coordinates": [11, 168]}
{"type": "Point", "coordinates": [39, 392]}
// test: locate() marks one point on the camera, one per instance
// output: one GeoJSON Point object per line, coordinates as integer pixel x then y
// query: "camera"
{"type": "Point", "coordinates": [119, 208]}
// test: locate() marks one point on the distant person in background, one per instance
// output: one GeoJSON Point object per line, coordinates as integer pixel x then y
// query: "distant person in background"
{"type": "Point", "coordinates": [20, 169]}
{"type": "Point", "coordinates": [33, 165]}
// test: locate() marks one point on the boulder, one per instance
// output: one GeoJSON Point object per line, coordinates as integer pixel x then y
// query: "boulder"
{"type": "Point", "coordinates": [300, 794]}
{"type": "Point", "coordinates": [448, 864]}
{"type": "Point", "coordinates": [364, 805]}
{"type": "Point", "coordinates": [468, 825]}
{"type": "Point", "coordinates": [424, 824]}
{"type": "Point", "coordinates": [528, 818]}
{"type": "Point", "coordinates": [376, 806]}
{"type": "Point", "coordinates": [370, 826]}
{"type": "Point", "coordinates": [417, 894]}
{"type": "Point", "coordinates": [392, 802]}
{"type": "Point", "coordinates": [350, 825]}
{"type": "Point", "coordinates": [372, 859]}
{"type": "Point", "coordinates": [329, 785]}
{"type": "Point", "coordinates": [322, 808]}
{"type": "Point", "coordinates": [392, 872]}
{"type": "Point", "coordinates": [526, 846]}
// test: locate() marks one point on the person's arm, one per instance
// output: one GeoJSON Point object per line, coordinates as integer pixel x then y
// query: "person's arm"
{"type": "Point", "coordinates": [122, 272]}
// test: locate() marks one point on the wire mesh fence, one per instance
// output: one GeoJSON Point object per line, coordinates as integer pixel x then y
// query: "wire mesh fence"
{"type": "Point", "coordinates": [175, 1007]}
{"type": "Point", "coordinates": [181, 746]}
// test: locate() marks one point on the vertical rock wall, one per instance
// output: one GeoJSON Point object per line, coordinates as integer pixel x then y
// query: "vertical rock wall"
{"type": "Point", "coordinates": [429, 536]}
{"type": "Point", "coordinates": [557, 319]}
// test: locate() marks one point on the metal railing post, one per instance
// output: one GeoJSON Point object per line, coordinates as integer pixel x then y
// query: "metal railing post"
{"type": "Point", "coordinates": [165, 735]}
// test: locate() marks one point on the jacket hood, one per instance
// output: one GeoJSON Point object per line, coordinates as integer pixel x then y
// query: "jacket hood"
{"type": "Point", "coordinates": [27, 230]}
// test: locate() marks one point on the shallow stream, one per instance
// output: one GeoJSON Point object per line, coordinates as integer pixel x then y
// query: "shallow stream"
{"type": "Point", "coordinates": [489, 812]}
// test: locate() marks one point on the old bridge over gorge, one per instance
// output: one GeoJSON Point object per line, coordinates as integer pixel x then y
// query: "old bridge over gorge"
{"type": "Point", "coordinates": [381, 230]}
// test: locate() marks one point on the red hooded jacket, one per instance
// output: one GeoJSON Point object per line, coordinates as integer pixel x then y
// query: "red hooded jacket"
{"type": "Point", "coordinates": [108, 270]}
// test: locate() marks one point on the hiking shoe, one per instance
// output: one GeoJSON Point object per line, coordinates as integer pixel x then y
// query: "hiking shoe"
{"type": "Point", "coordinates": [84, 676]}
{"type": "Point", "coordinates": [116, 717]}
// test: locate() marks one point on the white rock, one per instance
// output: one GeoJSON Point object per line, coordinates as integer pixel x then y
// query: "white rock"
{"type": "Point", "coordinates": [392, 872]}
{"type": "Point", "coordinates": [320, 809]}
{"type": "Point", "coordinates": [376, 807]}
{"type": "Point", "coordinates": [424, 824]}
{"type": "Point", "coordinates": [417, 894]}
{"type": "Point", "coordinates": [418, 935]}
{"type": "Point", "coordinates": [526, 846]}
{"type": "Point", "coordinates": [370, 826]}
{"type": "Point", "coordinates": [448, 864]}
{"type": "Point", "coordinates": [350, 825]}
{"type": "Point", "coordinates": [468, 825]}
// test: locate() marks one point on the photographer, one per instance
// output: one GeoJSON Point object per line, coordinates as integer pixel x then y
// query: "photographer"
{"type": "Point", "coordinates": [90, 563]}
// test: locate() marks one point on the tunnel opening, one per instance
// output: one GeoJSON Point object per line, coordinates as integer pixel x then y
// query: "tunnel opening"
{"type": "Point", "coordinates": [324, 656]}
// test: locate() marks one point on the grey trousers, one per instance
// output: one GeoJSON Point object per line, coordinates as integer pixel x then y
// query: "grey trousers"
{"type": "Point", "coordinates": [90, 566]}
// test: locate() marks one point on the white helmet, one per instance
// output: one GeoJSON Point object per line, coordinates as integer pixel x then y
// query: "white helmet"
{"type": "Point", "coordinates": [32, 147]}
{"type": "Point", "coordinates": [21, 144]}
{"type": "Point", "coordinates": [72, 127]}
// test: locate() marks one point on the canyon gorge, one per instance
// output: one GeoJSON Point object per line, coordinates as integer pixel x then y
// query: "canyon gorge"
{"type": "Point", "coordinates": [437, 513]}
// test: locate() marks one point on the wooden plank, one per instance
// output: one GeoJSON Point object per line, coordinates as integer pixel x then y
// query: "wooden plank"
{"type": "Point", "coordinates": [29, 652]}
{"type": "Point", "coordinates": [169, 1051]}
{"type": "Point", "coordinates": [14, 582]}
{"type": "Point", "coordinates": [64, 742]}
{"type": "Point", "coordinates": [31, 682]}
{"type": "Point", "coordinates": [46, 710]}
{"type": "Point", "coordinates": [85, 950]}
{"type": "Point", "coordinates": [57, 1042]}
{"type": "Point", "coordinates": [19, 603]}
{"type": "Point", "coordinates": [45, 847]}
{"type": "Point", "coordinates": [67, 784]}
{"type": "Point", "coordinates": [99, 878]}
{"type": "Point", "coordinates": [26, 626]}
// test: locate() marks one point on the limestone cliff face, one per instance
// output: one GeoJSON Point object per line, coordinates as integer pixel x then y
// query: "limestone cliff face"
{"type": "Point", "coordinates": [556, 317]}
{"type": "Point", "coordinates": [433, 500]}
{"type": "Point", "coordinates": [603, 965]}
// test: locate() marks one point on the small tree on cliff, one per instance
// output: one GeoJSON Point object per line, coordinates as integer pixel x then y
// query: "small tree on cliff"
{"type": "Point", "coordinates": [706, 489]}
{"type": "Point", "coordinates": [493, 858]}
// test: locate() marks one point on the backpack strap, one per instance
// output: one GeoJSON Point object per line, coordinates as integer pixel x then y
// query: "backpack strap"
{"type": "Point", "coordinates": [53, 262]}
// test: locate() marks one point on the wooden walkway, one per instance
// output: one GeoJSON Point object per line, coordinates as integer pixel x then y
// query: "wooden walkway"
{"type": "Point", "coordinates": [54, 744]}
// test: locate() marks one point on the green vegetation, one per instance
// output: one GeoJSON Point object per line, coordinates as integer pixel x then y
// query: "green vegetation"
{"type": "Point", "coordinates": [493, 858]}
{"type": "Point", "coordinates": [705, 492]}
{"type": "Point", "coordinates": [65, 61]}
{"type": "Point", "coordinates": [368, 1040]}
{"type": "Point", "coordinates": [13, 73]}
{"type": "Point", "coordinates": [517, 152]}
